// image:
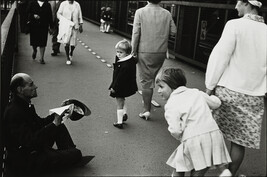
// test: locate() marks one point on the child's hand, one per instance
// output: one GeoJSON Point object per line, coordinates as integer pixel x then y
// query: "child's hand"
{"type": "Point", "coordinates": [112, 90]}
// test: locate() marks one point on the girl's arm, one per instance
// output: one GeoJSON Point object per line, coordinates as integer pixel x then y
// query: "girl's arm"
{"type": "Point", "coordinates": [213, 101]}
{"type": "Point", "coordinates": [175, 121]}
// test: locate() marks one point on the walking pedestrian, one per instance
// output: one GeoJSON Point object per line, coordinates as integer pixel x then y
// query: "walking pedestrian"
{"type": "Point", "coordinates": [29, 139]}
{"type": "Point", "coordinates": [55, 44]}
{"type": "Point", "coordinates": [107, 17]}
{"type": "Point", "coordinates": [236, 72]}
{"type": "Point", "coordinates": [124, 79]}
{"type": "Point", "coordinates": [151, 29]}
{"type": "Point", "coordinates": [102, 21]}
{"type": "Point", "coordinates": [40, 18]}
{"type": "Point", "coordinates": [189, 118]}
{"type": "Point", "coordinates": [69, 12]}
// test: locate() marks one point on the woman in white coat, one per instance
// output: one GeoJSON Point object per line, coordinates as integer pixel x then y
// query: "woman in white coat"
{"type": "Point", "coordinates": [70, 10]}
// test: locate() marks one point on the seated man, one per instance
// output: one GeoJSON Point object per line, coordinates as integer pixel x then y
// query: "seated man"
{"type": "Point", "coordinates": [29, 138]}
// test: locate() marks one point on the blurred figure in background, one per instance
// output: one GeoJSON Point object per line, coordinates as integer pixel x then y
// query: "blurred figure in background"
{"type": "Point", "coordinates": [102, 21]}
{"type": "Point", "coordinates": [55, 44]}
{"type": "Point", "coordinates": [40, 18]}
{"type": "Point", "coordinates": [70, 12]}
{"type": "Point", "coordinates": [107, 17]}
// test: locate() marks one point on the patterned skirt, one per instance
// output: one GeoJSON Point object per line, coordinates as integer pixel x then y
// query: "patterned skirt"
{"type": "Point", "coordinates": [240, 117]}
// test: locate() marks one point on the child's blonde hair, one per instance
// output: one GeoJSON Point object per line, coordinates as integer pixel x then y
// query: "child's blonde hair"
{"type": "Point", "coordinates": [124, 45]}
{"type": "Point", "coordinates": [173, 77]}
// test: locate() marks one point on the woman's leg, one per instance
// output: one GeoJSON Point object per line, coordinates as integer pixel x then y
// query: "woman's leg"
{"type": "Point", "coordinates": [72, 47]}
{"type": "Point", "coordinates": [237, 153]}
{"type": "Point", "coordinates": [67, 50]}
{"type": "Point", "coordinates": [34, 48]}
{"type": "Point", "coordinates": [42, 51]}
{"type": "Point", "coordinates": [147, 95]}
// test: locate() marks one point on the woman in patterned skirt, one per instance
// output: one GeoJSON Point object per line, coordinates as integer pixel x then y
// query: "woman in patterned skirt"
{"type": "Point", "coordinates": [236, 71]}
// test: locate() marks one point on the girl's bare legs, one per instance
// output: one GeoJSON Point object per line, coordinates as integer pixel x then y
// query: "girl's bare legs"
{"type": "Point", "coordinates": [120, 103]}
{"type": "Point", "coordinates": [177, 174]}
{"type": "Point", "coordinates": [237, 153]}
{"type": "Point", "coordinates": [199, 172]}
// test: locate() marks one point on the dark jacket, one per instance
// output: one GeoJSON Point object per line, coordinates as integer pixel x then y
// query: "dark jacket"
{"type": "Point", "coordinates": [24, 130]}
{"type": "Point", "coordinates": [39, 27]}
{"type": "Point", "coordinates": [124, 78]}
{"type": "Point", "coordinates": [29, 140]}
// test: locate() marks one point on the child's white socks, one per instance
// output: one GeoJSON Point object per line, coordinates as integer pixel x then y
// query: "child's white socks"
{"type": "Point", "coordinates": [120, 113]}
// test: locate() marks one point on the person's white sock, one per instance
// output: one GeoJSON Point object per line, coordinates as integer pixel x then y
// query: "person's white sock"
{"type": "Point", "coordinates": [119, 115]}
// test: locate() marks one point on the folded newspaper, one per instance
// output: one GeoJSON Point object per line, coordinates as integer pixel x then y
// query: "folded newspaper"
{"type": "Point", "coordinates": [60, 110]}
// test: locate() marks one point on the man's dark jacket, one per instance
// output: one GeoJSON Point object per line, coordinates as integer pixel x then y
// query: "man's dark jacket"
{"type": "Point", "coordinates": [25, 133]}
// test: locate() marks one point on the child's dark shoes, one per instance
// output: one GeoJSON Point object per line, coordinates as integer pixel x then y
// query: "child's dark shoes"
{"type": "Point", "coordinates": [125, 117]}
{"type": "Point", "coordinates": [120, 126]}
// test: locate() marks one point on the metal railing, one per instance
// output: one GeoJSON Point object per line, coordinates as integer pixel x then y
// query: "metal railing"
{"type": "Point", "coordinates": [9, 45]}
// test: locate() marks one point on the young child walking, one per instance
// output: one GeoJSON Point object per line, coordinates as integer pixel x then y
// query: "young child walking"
{"type": "Point", "coordinates": [189, 118]}
{"type": "Point", "coordinates": [103, 9]}
{"type": "Point", "coordinates": [124, 79]}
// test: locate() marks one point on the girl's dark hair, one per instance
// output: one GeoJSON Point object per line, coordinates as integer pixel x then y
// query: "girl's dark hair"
{"type": "Point", "coordinates": [173, 77]}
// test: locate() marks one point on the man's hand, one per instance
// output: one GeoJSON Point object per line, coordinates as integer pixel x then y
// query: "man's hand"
{"type": "Point", "coordinates": [58, 118]}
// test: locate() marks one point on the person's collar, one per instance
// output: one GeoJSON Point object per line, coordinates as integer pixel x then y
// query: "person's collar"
{"type": "Point", "coordinates": [125, 58]}
{"type": "Point", "coordinates": [180, 90]}
{"type": "Point", "coordinates": [254, 17]}
{"type": "Point", "coordinates": [40, 3]}
{"type": "Point", "coordinates": [22, 101]}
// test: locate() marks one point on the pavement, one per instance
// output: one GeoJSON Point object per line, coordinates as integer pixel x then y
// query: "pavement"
{"type": "Point", "coordinates": [141, 148]}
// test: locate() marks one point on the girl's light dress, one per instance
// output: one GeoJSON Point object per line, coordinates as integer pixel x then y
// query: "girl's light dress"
{"type": "Point", "coordinates": [190, 121]}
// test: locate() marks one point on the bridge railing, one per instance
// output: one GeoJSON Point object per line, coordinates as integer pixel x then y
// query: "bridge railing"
{"type": "Point", "coordinates": [9, 46]}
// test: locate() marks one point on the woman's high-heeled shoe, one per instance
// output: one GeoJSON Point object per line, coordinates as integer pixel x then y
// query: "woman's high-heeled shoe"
{"type": "Point", "coordinates": [145, 115]}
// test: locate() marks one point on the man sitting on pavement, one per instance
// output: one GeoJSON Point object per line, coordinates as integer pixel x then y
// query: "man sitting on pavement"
{"type": "Point", "coordinates": [29, 139]}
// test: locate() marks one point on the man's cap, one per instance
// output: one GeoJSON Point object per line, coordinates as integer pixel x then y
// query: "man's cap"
{"type": "Point", "coordinates": [80, 109]}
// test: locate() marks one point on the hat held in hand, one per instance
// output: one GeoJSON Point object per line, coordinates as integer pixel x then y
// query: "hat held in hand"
{"type": "Point", "coordinates": [79, 110]}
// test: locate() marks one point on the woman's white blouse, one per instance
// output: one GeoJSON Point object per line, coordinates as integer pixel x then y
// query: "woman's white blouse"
{"type": "Point", "coordinates": [238, 61]}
